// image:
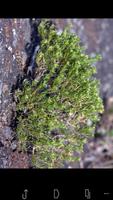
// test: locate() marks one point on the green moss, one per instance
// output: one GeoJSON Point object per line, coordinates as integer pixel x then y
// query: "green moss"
{"type": "Point", "coordinates": [61, 100]}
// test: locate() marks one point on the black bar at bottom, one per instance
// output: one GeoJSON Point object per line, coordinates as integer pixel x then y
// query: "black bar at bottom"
{"type": "Point", "coordinates": [61, 184]}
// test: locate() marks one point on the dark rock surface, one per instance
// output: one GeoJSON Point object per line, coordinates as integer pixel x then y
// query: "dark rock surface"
{"type": "Point", "coordinates": [14, 34]}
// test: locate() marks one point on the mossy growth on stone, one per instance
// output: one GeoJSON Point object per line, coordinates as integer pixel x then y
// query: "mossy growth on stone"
{"type": "Point", "coordinates": [60, 108]}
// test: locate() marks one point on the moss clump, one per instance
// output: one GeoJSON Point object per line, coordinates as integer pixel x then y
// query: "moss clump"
{"type": "Point", "coordinates": [59, 109]}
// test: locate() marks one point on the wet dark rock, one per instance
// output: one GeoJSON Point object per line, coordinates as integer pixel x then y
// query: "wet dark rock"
{"type": "Point", "coordinates": [30, 48]}
{"type": "Point", "coordinates": [1, 144]}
